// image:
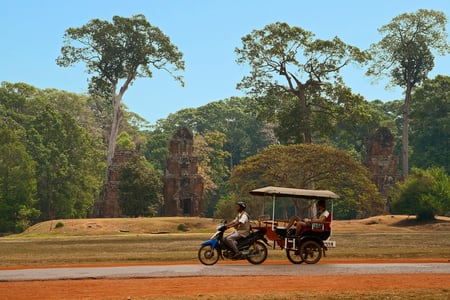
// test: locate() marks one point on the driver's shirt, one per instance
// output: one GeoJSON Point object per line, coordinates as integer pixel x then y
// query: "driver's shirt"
{"type": "Point", "coordinates": [324, 225]}
{"type": "Point", "coordinates": [325, 214]}
{"type": "Point", "coordinates": [244, 225]}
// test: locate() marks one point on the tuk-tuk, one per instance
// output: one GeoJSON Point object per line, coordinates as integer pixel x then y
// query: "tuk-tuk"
{"type": "Point", "coordinates": [313, 241]}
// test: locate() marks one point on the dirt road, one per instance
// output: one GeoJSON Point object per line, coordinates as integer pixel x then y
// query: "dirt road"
{"type": "Point", "coordinates": [196, 281]}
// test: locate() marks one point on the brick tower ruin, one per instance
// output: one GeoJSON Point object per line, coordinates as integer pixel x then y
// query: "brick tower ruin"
{"type": "Point", "coordinates": [183, 186]}
{"type": "Point", "coordinates": [107, 205]}
{"type": "Point", "coordinates": [381, 161]}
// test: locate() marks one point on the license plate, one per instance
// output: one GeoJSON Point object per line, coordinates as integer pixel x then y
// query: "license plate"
{"type": "Point", "coordinates": [330, 244]}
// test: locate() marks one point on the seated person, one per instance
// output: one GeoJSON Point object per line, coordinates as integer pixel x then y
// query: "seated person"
{"type": "Point", "coordinates": [242, 225]}
{"type": "Point", "coordinates": [307, 223]}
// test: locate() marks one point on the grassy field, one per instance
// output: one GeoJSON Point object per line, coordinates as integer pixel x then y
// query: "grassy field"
{"type": "Point", "coordinates": [165, 240]}
{"type": "Point", "coordinates": [149, 240]}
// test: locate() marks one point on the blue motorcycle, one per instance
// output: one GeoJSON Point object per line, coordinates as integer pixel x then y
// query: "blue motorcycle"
{"type": "Point", "coordinates": [251, 247]}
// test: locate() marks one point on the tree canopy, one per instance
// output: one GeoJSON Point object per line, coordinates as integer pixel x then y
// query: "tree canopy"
{"type": "Point", "coordinates": [430, 124]}
{"type": "Point", "coordinates": [304, 66]}
{"type": "Point", "coordinates": [60, 157]}
{"type": "Point", "coordinates": [303, 166]}
{"type": "Point", "coordinates": [140, 188]}
{"type": "Point", "coordinates": [17, 184]}
{"type": "Point", "coordinates": [116, 53]}
{"type": "Point", "coordinates": [404, 54]}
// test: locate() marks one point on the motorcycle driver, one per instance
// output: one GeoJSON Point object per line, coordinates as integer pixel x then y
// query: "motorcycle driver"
{"type": "Point", "coordinates": [242, 228]}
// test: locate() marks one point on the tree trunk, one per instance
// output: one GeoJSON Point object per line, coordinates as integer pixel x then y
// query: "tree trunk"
{"type": "Point", "coordinates": [307, 139]}
{"type": "Point", "coordinates": [405, 140]}
{"type": "Point", "coordinates": [107, 206]}
{"type": "Point", "coordinates": [117, 118]}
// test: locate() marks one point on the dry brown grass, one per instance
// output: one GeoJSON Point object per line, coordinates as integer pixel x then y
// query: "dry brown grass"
{"type": "Point", "coordinates": [391, 223]}
{"type": "Point", "coordinates": [378, 224]}
{"type": "Point", "coordinates": [148, 240]}
{"type": "Point", "coordinates": [120, 225]}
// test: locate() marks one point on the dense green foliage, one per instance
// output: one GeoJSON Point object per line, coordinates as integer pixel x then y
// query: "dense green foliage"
{"type": "Point", "coordinates": [310, 166]}
{"type": "Point", "coordinates": [61, 161]}
{"type": "Point", "coordinates": [53, 143]}
{"type": "Point", "coordinates": [430, 124]}
{"type": "Point", "coordinates": [140, 188]}
{"type": "Point", "coordinates": [17, 184]}
{"type": "Point", "coordinates": [425, 194]}
{"type": "Point", "coordinates": [65, 155]}
{"type": "Point", "coordinates": [295, 80]}
{"type": "Point", "coordinates": [58, 156]}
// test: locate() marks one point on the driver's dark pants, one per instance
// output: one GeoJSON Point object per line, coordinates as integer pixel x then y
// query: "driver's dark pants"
{"type": "Point", "coordinates": [231, 239]}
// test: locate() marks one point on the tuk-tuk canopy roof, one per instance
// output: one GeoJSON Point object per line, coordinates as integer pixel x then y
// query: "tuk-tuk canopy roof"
{"type": "Point", "coordinates": [295, 193]}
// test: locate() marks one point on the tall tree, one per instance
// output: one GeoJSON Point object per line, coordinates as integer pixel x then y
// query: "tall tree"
{"type": "Point", "coordinates": [405, 55]}
{"type": "Point", "coordinates": [304, 64]}
{"type": "Point", "coordinates": [116, 54]}
{"type": "Point", "coordinates": [430, 124]}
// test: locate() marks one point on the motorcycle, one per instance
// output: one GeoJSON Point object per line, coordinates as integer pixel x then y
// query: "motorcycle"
{"type": "Point", "coordinates": [251, 247]}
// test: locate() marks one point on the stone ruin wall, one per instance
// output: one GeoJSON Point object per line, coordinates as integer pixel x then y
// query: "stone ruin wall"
{"type": "Point", "coordinates": [382, 163]}
{"type": "Point", "coordinates": [183, 186]}
{"type": "Point", "coordinates": [107, 206]}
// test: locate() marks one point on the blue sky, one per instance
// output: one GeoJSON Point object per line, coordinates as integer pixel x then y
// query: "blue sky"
{"type": "Point", "coordinates": [206, 31]}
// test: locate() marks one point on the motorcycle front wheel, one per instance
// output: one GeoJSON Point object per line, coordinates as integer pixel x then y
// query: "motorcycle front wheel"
{"type": "Point", "coordinates": [258, 253]}
{"type": "Point", "coordinates": [207, 255]}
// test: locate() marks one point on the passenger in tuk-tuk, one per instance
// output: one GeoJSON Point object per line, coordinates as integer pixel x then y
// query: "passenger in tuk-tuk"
{"type": "Point", "coordinates": [306, 224]}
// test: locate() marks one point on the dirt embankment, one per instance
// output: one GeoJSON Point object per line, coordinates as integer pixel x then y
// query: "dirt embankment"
{"type": "Point", "coordinates": [176, 224]}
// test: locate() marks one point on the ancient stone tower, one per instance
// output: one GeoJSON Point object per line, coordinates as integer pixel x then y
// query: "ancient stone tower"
{"type": "Point", "coordinates": [381, 162]}
{"type": "Point", "coordinates": [107, 205]}
{"type": "Point", "coordinates": [183, 186]}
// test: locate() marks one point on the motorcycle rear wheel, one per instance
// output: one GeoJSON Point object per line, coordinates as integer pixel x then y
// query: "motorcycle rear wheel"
{"type": "Point", "coordinates": [258, 253]}
{"type": "Point", "coordinates": [207, 255]}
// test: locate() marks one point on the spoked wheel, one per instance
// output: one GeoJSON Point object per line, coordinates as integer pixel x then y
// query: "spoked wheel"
{"type": "Point", "coordinates": [207, 255]}
{"type": "Point", "coordinates": [258, 253]}
{"type": "Point", "coordinates": [311, 252]}
{"type": "Point", "coordinates": [294, 256]}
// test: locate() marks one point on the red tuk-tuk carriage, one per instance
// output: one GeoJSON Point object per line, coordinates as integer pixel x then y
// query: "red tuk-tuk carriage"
{"type": "Point", "coordinates": [312, 242]}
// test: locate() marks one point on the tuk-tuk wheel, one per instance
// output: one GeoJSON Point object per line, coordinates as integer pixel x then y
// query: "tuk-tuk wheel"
{"type": "Point", "coordinates": [311, 252]}
{"type": "Point", "coordinates": [294, 256]}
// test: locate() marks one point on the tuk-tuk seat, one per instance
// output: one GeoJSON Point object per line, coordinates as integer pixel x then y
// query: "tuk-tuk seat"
{"type": "Point", "coordinates": [321, 230]}
{"type": "Point", "coordinates": [325, 226]}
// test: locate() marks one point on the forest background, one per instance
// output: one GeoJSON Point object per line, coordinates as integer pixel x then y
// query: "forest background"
{"type": "Point", "coordinates": [53, 147]}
